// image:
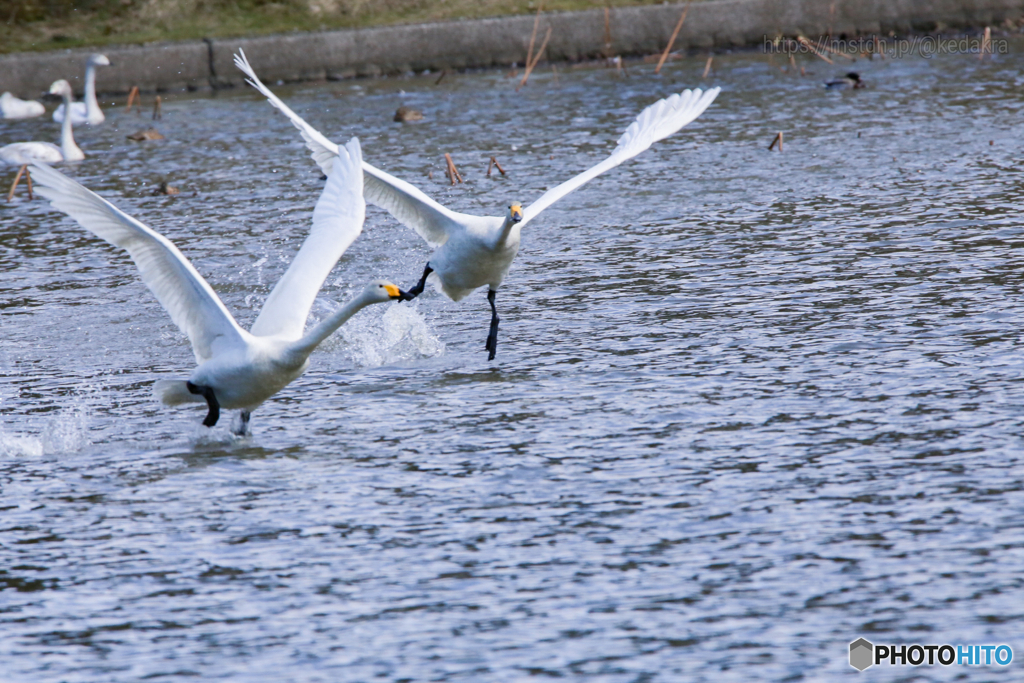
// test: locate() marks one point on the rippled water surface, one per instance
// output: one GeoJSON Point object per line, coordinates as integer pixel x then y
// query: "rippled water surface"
{"type": "Point", "coordinates": [747, 406]}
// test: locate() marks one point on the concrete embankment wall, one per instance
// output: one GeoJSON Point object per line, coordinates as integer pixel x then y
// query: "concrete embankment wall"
{"type": "Point", "coordinates": [490, 42]}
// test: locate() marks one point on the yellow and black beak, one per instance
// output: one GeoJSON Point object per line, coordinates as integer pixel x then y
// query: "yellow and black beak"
{"type": "Point", "coordinates": [396, 293]}
{"type": "Point", "coordinates": [517, 213]}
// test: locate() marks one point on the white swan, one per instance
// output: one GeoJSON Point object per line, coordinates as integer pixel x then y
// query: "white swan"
{"type": "Point", "coordinates": [22, 154]}
{"type": "Point", "coordinates": [473, 251]}
{"type": "Point", "coordinates": [237, 369]}
{"type": "Point", "coordinates": [88, 111]}
{"type": "Point", "coordinates": [13, 108]}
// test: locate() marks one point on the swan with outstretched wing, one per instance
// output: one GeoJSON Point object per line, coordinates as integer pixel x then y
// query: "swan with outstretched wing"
{"type": "Point", "coordinates": [236, 369]}
{"type": "Point", "coordinates": [473, 251]}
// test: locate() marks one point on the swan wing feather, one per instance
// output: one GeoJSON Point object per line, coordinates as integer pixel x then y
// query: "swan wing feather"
{"type": "Point", "coordinates": [322, 150]}
{"type": "Point", "coordinates": [656, 122]}
{"type": "Point", "coordinates": [192, 304]}
{"type": "Point", "coordinates": [409, 205]}
{"type": "Point", "coordinates": [337, 221]}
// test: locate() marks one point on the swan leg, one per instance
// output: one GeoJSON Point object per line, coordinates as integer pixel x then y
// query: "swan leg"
{"type": "Point", "coordinates": [243, 424]}
{"type": "Point", "coordinates": [418, 289]}
{"type": "Point", "coordinates": [14, 185]}
{"type": "Point", "coordinates": [211, 401]}
{"type": "Point", "coordinates": [492, 337]}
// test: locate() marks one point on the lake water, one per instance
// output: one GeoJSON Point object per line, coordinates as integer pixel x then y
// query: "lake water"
{"type": "Point", "coordinates": [748, 406]}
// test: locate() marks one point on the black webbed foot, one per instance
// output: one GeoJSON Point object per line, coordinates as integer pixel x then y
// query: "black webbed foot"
{"type": "Point", "coordinates": [492, 337]}
{"type": "Point", "coordinates": [418, 289]}
{"type": "Point", "coordinates": [211, 402]}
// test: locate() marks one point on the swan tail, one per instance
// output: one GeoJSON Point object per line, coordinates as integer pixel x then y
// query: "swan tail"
{"type": "Point", "coordinates": [174, 392]}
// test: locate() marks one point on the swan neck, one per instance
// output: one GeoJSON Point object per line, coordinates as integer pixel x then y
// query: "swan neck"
{"type": "Point", "coordinates": [505, 233]}
{"type": "Point", "coordinates": [325, 329]}
{"type": "Point", "coordinates": [68, 148]}
{"type": "Point", "coordinates": [91, 105]}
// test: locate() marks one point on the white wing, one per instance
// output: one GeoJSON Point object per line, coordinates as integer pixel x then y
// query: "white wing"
{"type": "Point", "coordinates": [184, 294]}
{"type": "Point", "coordinates": [323, 150]}
{"type": "Point", "coordinates": [411, 207]}
{"type": "Point", "coordinates": [337, 221]}
{"type": "Point", "coordinates": [656, 122]}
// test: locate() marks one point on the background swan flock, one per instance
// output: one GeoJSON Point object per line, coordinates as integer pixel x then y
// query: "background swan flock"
{"type": "Point", "coordinates": [239, 369]}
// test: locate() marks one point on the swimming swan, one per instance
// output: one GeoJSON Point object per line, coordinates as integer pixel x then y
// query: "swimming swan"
{"type": "Point", "coordinates": [89, 111]}
{"type": "Point", "coordinates": [473, 251]}
{"type": "Point", "coordinates": [13, 108]}
{"type": "Point", "coordinates": [236, 369]}
{"type": "Point", "coordinates": [24, 153]}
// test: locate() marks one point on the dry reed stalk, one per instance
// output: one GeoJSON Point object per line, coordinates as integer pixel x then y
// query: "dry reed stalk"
{"type": "Point", "coordinates": [543, 45]}
{"type": "Point", "coordinates": [536, 58]}
{"type": "Point", "coordinates": [533, 36]}
{"type": "Point", "coordinates": [672, 40]}
{"type": "Point", "coordinates": [157, 114]}
{"type": "Point", "coordinates": [607, 33]}
{"type": "Point", "coordinates": [878, 48]}
{"type": "Point", "coordinates": [133, 96]}
{"type": "Point", "coordinates": [554, 72]}
{"type": "Point", "coordinates": [838, 53]}
{"type": "Point", "coordinates": [494, 162]}
{"type": "Point", "coordinates": [14, 185]}
{"type": "Point", "coordinates": [986, 43]}
{"type": "Point", "coordinates": [448, 167]}
{"type": "Point", "coordinates": [806, 43]}
{"type": "Point", "coordinates": [453, 173]}
{"type": "Point", "coordinates": [444, 72]}
{"type": "Point", "coordinates": [707, 67]}
{"type": "Point", "coordinates": [778, 139]}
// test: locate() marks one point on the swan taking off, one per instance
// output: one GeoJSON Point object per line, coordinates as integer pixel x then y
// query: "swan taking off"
{"type": "Point", "coordinates": [236, 369]}
{"type": "Point", "coordinates": [473, 251]}
{"type": "Point", "coordinates": [13, 108]}
{"type": "Point", "coordinates": [89, 111]}
{"type": "Point", "coordinates": [22, 154]}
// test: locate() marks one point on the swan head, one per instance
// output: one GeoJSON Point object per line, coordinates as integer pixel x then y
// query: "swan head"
{"type": "Point", "coordinates": [515, 212]}
{"type": "Point", "coordinates": [61, 88]}
{"type": "Point", "coordinates": [382, 291]}
{"type": "Point", "coordinates": [98, 60]}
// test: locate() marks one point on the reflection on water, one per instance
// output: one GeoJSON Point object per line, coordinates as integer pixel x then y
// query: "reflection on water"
{"type": "Point", "coordinates": [747, 406]}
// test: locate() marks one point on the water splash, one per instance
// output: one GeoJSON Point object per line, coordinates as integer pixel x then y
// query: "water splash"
{"type": "Point", "coordinates": [67, 431]}
{"type": "Point", "coordinates": [63, 432]}
{"type": "Point", "coordinates": [20, 445]}
{"type": "Point", "coordinates": [221, 436]}
{"type": "Point", "coordinates": [400, 333]}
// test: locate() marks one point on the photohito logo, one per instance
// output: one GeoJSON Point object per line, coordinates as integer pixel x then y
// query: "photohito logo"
{"type": "Point", "coordinates": [864, 653]}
